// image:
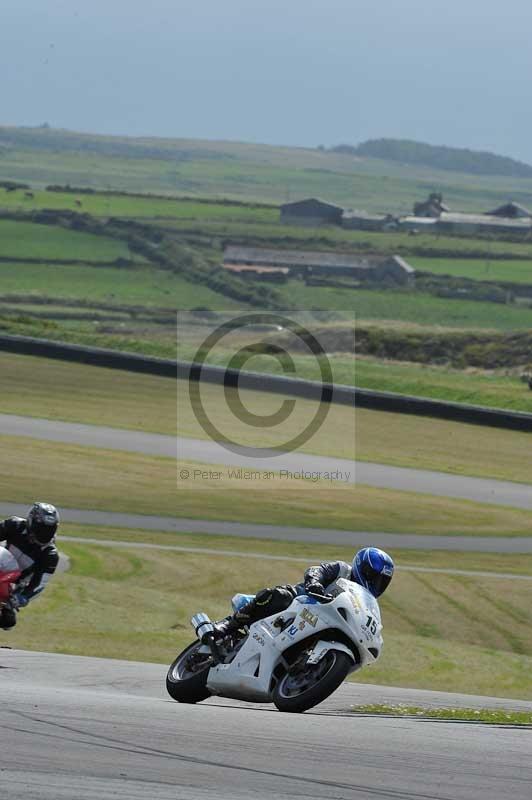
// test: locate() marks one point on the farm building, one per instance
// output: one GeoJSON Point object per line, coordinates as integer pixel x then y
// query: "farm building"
{"type": "Point", "coordinates": [481, 223]}
{"type": "Point", "coordinates": [510, 211]}
{"type": "Point", "coordinates": [311, 212]}
{"type": "Point", "coordinates": [362, 221]}
{"type": "Point", "coordinates": [432, 207]}
{"type": "Point", "coordinates": [418, 224]}
{"type": "Point", "coordinates": [254, 261]}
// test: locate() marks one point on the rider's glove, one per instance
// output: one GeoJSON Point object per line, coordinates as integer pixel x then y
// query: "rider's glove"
{"type": "Point", "coordinates": [314, 588]}
{"type": "Point", "coordinates": [21, 599]}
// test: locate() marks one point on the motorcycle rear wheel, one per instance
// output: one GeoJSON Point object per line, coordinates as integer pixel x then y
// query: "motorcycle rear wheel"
{"type": "Point", "coordinates": [298, 691]}
{"type": "Point", "coordinates": [186, 680]}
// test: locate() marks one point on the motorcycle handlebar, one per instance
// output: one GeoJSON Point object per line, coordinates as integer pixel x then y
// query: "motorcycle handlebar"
{"type": "Point", "coordinates": [321, 598]}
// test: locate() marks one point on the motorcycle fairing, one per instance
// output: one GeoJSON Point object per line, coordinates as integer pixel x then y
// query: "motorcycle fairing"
{"type": "Point", "coordinates": [251, 674]}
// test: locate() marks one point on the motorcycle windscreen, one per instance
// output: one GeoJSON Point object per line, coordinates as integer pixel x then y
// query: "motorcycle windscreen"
{"type": "Point", "coordinates": [8, 562]}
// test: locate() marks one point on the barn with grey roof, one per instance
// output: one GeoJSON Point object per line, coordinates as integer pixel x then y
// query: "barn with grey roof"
{"type": "Point", "coordinates": [311, 212]}
{"type": "Point", "coordinates": [255, 261]}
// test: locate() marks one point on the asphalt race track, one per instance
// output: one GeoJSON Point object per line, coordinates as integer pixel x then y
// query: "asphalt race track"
{"type": "Point", "coordinates": [383, 476]}
{"type": "Point", "coordinates": [94, 729]}
{"type": "Point", "coordinates": [478, 544]}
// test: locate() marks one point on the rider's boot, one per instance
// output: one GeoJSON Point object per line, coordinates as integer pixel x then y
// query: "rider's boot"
{"type": "Point", "coordinates": [265, 602]}
{"type": "Point", "coordinates": [234, 622]}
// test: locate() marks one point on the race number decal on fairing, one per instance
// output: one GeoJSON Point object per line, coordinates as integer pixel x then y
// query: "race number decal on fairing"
{"type": "Point", "coordinates": [371, 625]}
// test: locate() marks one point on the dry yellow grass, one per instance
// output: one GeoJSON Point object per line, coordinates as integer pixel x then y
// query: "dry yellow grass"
{"type": "Point", "coordinates": [110, 480]}
{"type": "Point", "coordinates": [86, 477]}
{"type": "Point", "coordinates": [77, 393]}
{"type": "Point", "coordinates": [398, 439]}
{"type": "Point", "coordinates": [294, 502]}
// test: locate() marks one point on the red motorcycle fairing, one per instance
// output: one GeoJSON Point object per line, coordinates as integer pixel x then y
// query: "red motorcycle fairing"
{"type": "Point", "coordinates": [9, 574]}
{"type": "Point", "coordinates": [7, 582]}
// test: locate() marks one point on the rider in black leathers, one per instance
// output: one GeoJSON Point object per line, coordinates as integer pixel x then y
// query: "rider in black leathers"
{"type": "Point", "coordinates": [371, 568]}
{"type": "Point", "coordinates": [31, 542]}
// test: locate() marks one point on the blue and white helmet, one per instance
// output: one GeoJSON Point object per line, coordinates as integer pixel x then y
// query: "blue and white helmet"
{"type": "Point", "coordinates": [373, 569]}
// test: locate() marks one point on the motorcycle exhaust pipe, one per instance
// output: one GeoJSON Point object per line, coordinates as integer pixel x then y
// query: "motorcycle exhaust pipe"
{"type": "Point", "coordinates": [202, 625]}
{"type": "Point", "coordinates": [205, 631]}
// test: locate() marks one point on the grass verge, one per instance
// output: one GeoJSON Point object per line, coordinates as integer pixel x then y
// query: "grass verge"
{"type": "Point", "coordinates": [485, 715]}
{"type": "Point", "coordinates": [500, 565]}
{"type": "Point", "coordinates": [495, 389]}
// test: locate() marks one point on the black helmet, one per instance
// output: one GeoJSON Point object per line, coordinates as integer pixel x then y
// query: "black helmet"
{"type": "Point", "coordinates": [42, 522]}
{"type": "Point", "coordinates": [373, 569]}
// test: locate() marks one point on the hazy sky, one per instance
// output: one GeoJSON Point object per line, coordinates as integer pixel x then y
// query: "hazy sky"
{"type": "Point", "coordinates": [301, 72]}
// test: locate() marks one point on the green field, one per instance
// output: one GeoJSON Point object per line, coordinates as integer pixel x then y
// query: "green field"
{"type": "Point", "coordinates": [141, 286]}
{"type": "Point", "coordinates": [477, 269]}
{"type": "Point", "coordinates": [260, 225]}
{"type": "Point", "coordinates": [155, 286]}
{"type": "Point", "coordinates": [396, 306]}
{"type": "Point", "coordinates": [29, 240]}
{"type": "Point", "coordinates": [441, 632]}
{"type": "Point", "coordinates": [157, 208]}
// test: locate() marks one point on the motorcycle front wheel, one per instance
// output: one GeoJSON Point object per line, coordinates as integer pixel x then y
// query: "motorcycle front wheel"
{"type": "Point", "coordinates": [306, 686]}
{"type": "Point", "coordinates": [186, 680]}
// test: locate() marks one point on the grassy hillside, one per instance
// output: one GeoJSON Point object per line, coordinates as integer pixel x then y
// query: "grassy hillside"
{"type": "Point", "coordinates": [455, 159]}
{"type": "Point", "coordinates": [132, 306]}
{"type": "Point", "coordinates": [240, 170]}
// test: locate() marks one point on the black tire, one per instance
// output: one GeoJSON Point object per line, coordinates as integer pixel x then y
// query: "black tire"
{"type": "Point", "coordinates": [185, 685]}
{"type": "Point", "coordinates": [286, 697]}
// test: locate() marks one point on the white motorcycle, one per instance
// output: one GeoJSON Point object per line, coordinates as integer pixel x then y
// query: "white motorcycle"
{"type": "Point", "coordinates": [294, 659]}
